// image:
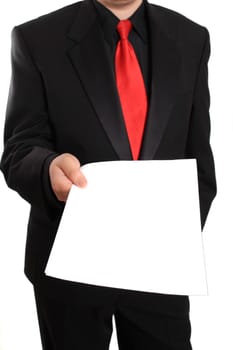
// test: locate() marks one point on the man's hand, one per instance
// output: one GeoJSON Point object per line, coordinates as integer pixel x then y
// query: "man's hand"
{"type": "Point", "coordinates": [64, 171]}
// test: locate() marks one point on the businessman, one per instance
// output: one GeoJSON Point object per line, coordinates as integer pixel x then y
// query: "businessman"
{"type": "Point", "coordinates": [103, 80]}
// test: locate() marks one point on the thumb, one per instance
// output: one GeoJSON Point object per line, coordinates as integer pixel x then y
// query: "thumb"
{"type": "Point", "coordinates": [71, 168]}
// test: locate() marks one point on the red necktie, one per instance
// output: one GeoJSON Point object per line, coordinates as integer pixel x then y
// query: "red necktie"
{"type": "Point", "coordinates": [131, 88]}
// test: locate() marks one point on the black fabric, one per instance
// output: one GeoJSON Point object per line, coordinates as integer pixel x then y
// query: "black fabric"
{"type": "Point", "coordinates": [138, 36]}
{"type": "Point", "coordinates": [63, 98]}
{"type": "Point", "coordinates": [80, 316]}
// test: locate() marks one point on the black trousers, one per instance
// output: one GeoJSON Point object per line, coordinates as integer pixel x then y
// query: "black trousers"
{"type": "Point", "coordinates": [78, 316]}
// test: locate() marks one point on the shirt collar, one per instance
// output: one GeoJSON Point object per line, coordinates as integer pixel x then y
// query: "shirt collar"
{"type": "Point", "coordinates": [109, 21]}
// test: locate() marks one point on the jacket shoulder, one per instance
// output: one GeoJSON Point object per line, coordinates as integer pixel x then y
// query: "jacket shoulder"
{"type": "Point", "coordinates": [177, 18]}
{"type": "Point", "coordinates": [178, 25]}
{"type": "Point", "coordinates": [51, 19]}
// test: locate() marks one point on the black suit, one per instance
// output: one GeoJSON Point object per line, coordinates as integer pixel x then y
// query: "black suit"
{"type": "Point", "coordinates": [63, 98]}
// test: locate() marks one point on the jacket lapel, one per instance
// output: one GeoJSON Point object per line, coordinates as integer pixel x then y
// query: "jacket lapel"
{"type": "Point", "coordinates": [166, 65]}
{"type": "Point", "coordinates": [90, 60]}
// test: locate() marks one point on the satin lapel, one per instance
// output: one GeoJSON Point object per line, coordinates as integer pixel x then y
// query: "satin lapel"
{"type": "Point", "coordinates": [166, 64]}
{"type": "Point", "coordinates": [89, 58]}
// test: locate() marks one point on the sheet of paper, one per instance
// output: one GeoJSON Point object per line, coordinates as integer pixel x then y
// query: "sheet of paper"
{"type": "Point", "coordinates": [136, 225]}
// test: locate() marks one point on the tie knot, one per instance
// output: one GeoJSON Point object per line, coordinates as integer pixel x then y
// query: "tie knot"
{"type": "Point", "coordinates": [123, 27]}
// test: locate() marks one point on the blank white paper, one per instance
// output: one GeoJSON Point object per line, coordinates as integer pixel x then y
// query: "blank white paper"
{"type": "Point", "coordinates": [136, 225]}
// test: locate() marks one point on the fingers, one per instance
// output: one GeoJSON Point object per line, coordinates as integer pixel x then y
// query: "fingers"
{"type": "Point", "coordinates": [70, 166]}
{"type": "Point", "coordinates": [64, 171]}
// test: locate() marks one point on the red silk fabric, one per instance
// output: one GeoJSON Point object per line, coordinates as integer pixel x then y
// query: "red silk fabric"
{"type": "Point", "coordinates": [131, 88]}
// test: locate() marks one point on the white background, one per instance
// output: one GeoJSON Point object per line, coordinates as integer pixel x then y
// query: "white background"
{"type": "Point", "coordinates": [211, 316]}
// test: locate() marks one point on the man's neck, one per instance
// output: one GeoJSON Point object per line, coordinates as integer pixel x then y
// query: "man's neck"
{"type": "Point", "coordinates": [120, 8]}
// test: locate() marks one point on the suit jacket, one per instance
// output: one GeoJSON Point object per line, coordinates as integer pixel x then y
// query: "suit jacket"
{"type": "Point", "coordinates": [63, 99]}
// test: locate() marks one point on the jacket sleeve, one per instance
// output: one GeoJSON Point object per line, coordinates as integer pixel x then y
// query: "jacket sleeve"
{"type": "Point", "coordinates": [198, 142]}
{"type": "Point", "coordinates": [29, 144]}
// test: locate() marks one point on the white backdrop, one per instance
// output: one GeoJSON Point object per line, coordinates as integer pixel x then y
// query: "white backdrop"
{"type": "Point", "coordinates": [211, 316]}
